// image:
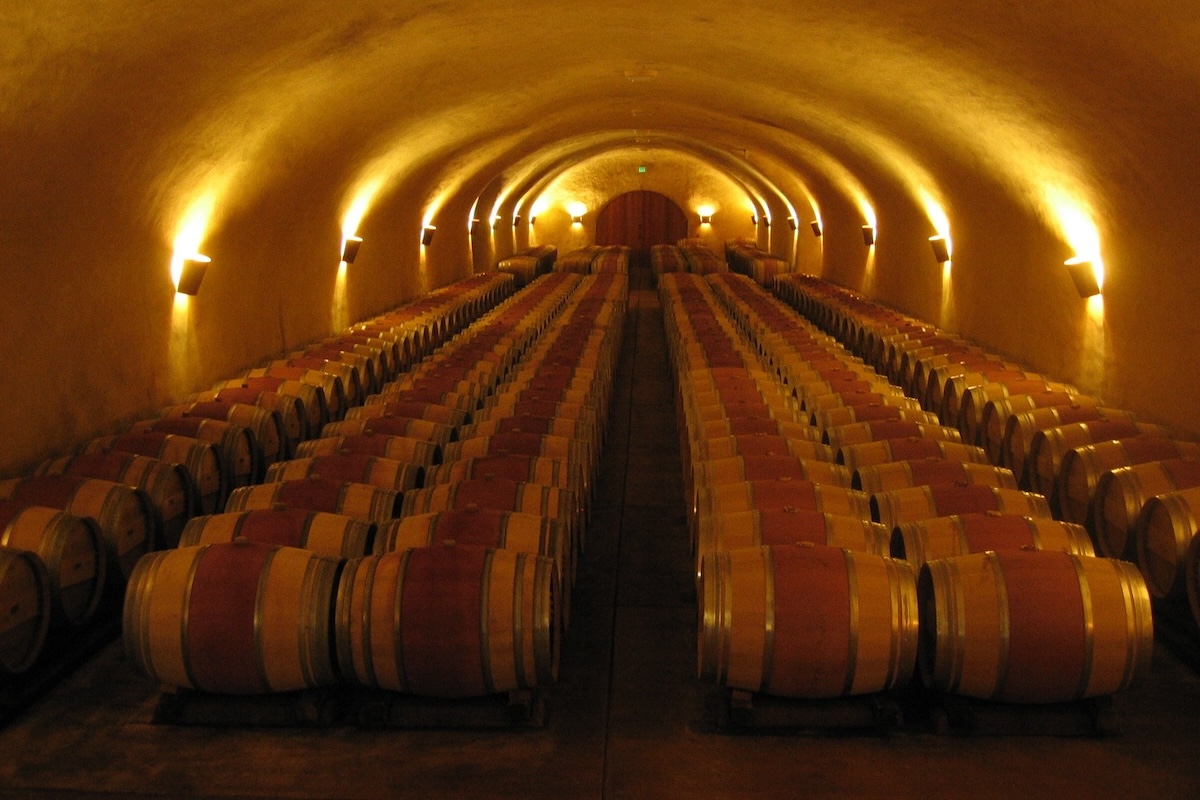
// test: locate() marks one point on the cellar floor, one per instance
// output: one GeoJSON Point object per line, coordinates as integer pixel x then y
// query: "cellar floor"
{"type": "Point", "coordinates": [628, 717]}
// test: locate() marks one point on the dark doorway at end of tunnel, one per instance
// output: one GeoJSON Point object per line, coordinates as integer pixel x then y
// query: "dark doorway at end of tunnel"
{"type": "Point", "coordinates": [640, 220]}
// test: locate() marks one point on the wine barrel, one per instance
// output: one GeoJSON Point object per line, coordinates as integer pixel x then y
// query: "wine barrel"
{"type": "Point", "coordinates": [807, 621]}
{"type": "Point", "coordinates": [759, 445]}
{"type": "Point", "coordinates": [401, 448]}
{"type": "Point", "coordinates": [1033, 627]}
{"type": "Point", "coordinates": [731, 531]}
{"type": "Point", "coordinates": [266, 428]}
{"type": "Point", "coordinates": [432, 432]}
{"type": "Point", "coordinates": [359, 500]}
{"type": "Point", "coordinates": [205, 464]}
{"type": "Point", "coordinates": [1122, 493]}
{"type": "Point", "coordinates": [923, 502]}
{"type": "Point", "coordinates": [502, 495]}
{"type": "Point", "coordinates": [930, 472]}
{"type": "Point", "coordinates": [770, 495]}
{"type": "Point", "coordinates": [737, 469]}
{"type": "Point", "coordinates": [1082, 467]}
{"type": "Point", "coordinates": [238, 618]}
{"type": "Point", "coordinates": [24, 610]}
{"type": "Point", "coordinates": [124, 514]}
{"type": "Point", "coordinates": [71, 548]}
{"type": "Point", "coordinates": [332, 388]}
{"type": "Point", "coordinates": [386, 473]}
{"type": "Point", "coordinates": [331, 535]}
{"type": "Point", "coordinates": [867, 454]}
{"type": "Point", "coordinates": [1048, 447]}
{"type": "Point", "coordinates": [962, 534]}
{"type": "Point", "coordinates": [290, 410]}
{"type": "Point", "coordinates": [240, 454]}
{"type": "Point", "coordinates": [170, 488]}
{"type": "Point", "coordinates": [827, 418]}
{"type": "Point", "coordinates": [884, 430]}
{"type": "Point", "coordinates": [997, 412]}
{"type": "Point", "coordinates": [1026, 433]}
{"type": "Point", "coordinates": [443, 415]}
{"type": "Point", "coordinates": [451, 621]}
{"type": "Point", "coordinates": [1162, 534]}
{"type": "Point", "coordinates": [311, 397]}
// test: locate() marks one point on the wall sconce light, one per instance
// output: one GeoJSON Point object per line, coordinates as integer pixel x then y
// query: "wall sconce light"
{"type": "Point", "coordinates": [792, 223]}
{"type": "Point", "coordinates": [532, 220]}
{"type": "Point", "coordinates": [706, 219]}
{"type": "Point", "coordinates": [192, 274]}
{"type": "Point", "coordinates": [427, 235]}
{"type": "Point", "coordinates": [868, 235]}
{"type": "Point", "coordinates": [941, 251]}
{"type": "Point", "coordinates": [577, 219]}
{"type": "Point", "coordinates": [816, 227]}
{"type": "Point", "coordinates": [516, 220]}
{"type": "Point", "coordinates": [767, 221]}
{"type": "Point", "coordinates": [1084, 276]}
{"type": "Point", "coordinates": [350, 249]}
{"type": "Point", "coordinates": [754, 219]}
{"type": "Point", "coordinates": [474, 224]}
{"type": "Point", "coordinates": [495, 219]}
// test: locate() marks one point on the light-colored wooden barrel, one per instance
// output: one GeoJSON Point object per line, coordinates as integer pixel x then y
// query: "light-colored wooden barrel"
{"type": "Point", "coordinates": [923, 502]}
{"type": "Point", "coordinates": [71, 548]}
{"type": "Point", "coordinates": [807, 621]}
{"type": "Point", "coordinates": [731, 531]}
{"type": "Point", "coordinates": [884, 430]}
{"type": "Point", "coordinates": [170, 488]}
{"type": "Point", "coordinates": [532, 469]}
{"type": "Point", "coordinates": [827, 418]}
{"type": "Point", "coordinates": [930, 472]}
{"type": "Point", "coordinates": [1122, 493]}
{"type": "Point", "coordinates": [124, 514]}
{"type": "Point", "coordinates": [204, 463]}
{"type": "Point", "coordinates": [769, 495]}
{"type": "Point", "coordinates": [963, 534]}
{"type": "Point", "coordinates": [1025, 432]}
{"type": "Point", "coordinates": [25, 610]}
{"type": "Point", "coordinates": [976, 399]}
{"type": "Point", "coordinates": [443, 415]}
{"type": "Point", "coordinates": [1162, 534]}
{"type": "Point", "coordinates": [1048, 447]}
{"type": "Point", "coordinates": [239, 455]}
{"type": "Point", "coordinates": [868, 454]}
{"type": "Point", "coordinates": [331, 386]}
{"type": "Point", "coordinates": [386, 473]}
{"type": "Point", "coordinates": [331, 535]}
{"type": "Point", "coordinates": [401, 448]}
{"type": "Point", "coordinates": [502, 495]}
{"type": "Point", "coordinates": [293, 416]}
{"type": "Point", "coordinates": [238, 618]}
{"type": "Point", "coordinates": [359, 500]}
{"type": "Point", "coordinates": [311, 397]}
{"type": "Point", "coordinates": [266, 428]}
{"type": "Point", "coordinates": [573, 451]}
{"type": "Point", "coordinates": [433, 432]}
{"type": "Point", "coordinates": [759, 445]}
{"type": "Point", "coordinates": [1082, 467]}
{"type": "Point", "coordinates": [452, 621]}
{"type": "Point", "coordinates": [737, 469]}
{"type": "Point", "coordinates": [997, 412]}
{"type": "Point", "coordinates": [1033, 627]}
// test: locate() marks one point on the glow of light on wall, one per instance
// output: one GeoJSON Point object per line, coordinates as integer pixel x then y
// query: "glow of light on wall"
{"type": "Point", "coordinates": [936, 213]}
{"type": "Point", "coordinates": [576, 208]}
{"type": "Point", "coordinates": [340, 313]}
{"type": "Point", "coordinates": [359, 206]}
{"type": "Point", "coordinates": [867, 210]}
{"type": "Point", "coordinates": [705, 210]}
{"type": "Point", "coordinates": [1076, 225]}
{"type": "Point", "coordinates": [191, 231]}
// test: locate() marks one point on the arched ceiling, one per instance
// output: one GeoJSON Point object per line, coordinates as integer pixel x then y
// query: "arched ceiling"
{"type": "Point", "coordinates": [262, 131]}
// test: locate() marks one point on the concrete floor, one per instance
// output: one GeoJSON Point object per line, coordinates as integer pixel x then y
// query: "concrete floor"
{"type": "Point", "coordinates": [628, 718]}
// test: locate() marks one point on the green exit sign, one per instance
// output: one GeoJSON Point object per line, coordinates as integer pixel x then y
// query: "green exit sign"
{"type": "Point", "coordinates": [642, 168]}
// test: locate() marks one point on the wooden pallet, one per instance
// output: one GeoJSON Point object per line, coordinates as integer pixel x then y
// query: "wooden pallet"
{"type": "Point", "coordinates": [383, 709]}
{"type": "Point", "coordinates": [952, 715]}
{"type": "Point", "coordinates": [310, 708]}
{"type": "Point", "coordinates": [739, 710]}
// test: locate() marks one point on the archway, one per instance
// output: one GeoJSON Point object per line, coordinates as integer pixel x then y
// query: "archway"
{"type": "Point", "coordinates": [640, 220]}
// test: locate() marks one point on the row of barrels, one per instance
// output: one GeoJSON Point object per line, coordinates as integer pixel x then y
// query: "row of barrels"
{"type": "Point", "coordinates": [88, 518]}
{"type": "Point", "coordinates": [1132, 484]}
{"type": "Point", "coordinates": [451, 575]}
{"type": "Point", "coordinates": [688, 255]}
{"type": "Point", "coordinates": [594, 259]}
{"type": "Point", "coordinates": [525, 265]}
{"type": "Point", "coordinates": [745, 257]}
{"type": "Point", "coordinates": [965, 593]}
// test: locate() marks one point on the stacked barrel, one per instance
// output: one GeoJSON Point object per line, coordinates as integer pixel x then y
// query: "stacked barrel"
{"type": "Point", "coordinates": [665, 258]}
{"type": "Point", "coordinates": [1086, 458]}
{"type": "Point", "coordinates": [527, 264]}
{"type": "Point", "coordinates": [988, 594]}
{"type": "Point", "coordinates": [421, 545]}
{"type": "Point", "coordinates": [700, 258]}
{"type": "Point", "coordinates": [747, 258]}
{"type": "Point", "coordinates": [72, 533]}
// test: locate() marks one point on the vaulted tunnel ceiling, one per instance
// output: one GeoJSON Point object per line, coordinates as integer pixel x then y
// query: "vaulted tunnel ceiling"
{"type": "Point", "coordinates": [261, 130]}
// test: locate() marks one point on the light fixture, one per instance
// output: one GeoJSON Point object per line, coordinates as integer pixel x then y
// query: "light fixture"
{"type": "Point", "coordinates": [941, 251]}
{"type": "Point", "coordinates": [350, 248]}
{"type": "Point", "coordinates": [868, 235]}
{"type": "Point", "coordinates": [427, 235]}
{"type": "Point", "coordinates": [474, 224]}
{"type": "Point", "coordinates": [516, 220]}
{"type": "Point", "coordinates": [576, 209]}
{"type": "Point", "coordinates": [754, 219]}
{"type": "Point", "coordinates": [191, 274]}
{"type": "Point", "coordinates": [816, 227]}
{"type": "Point", "coordinates": [578, 220]}
{"type": "Point", "coordinates": [767, 221]}
{"type": "Point", "coordinates": [1084, 275]}
{"type": "Point", "coordinates": [792, 223]}
{"type": "Point", "coordinates": [495, 219]}
{"type": "Point", "coordinates": [706, 219]}
{"type": "Point", "coordinates": [532, 220]}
